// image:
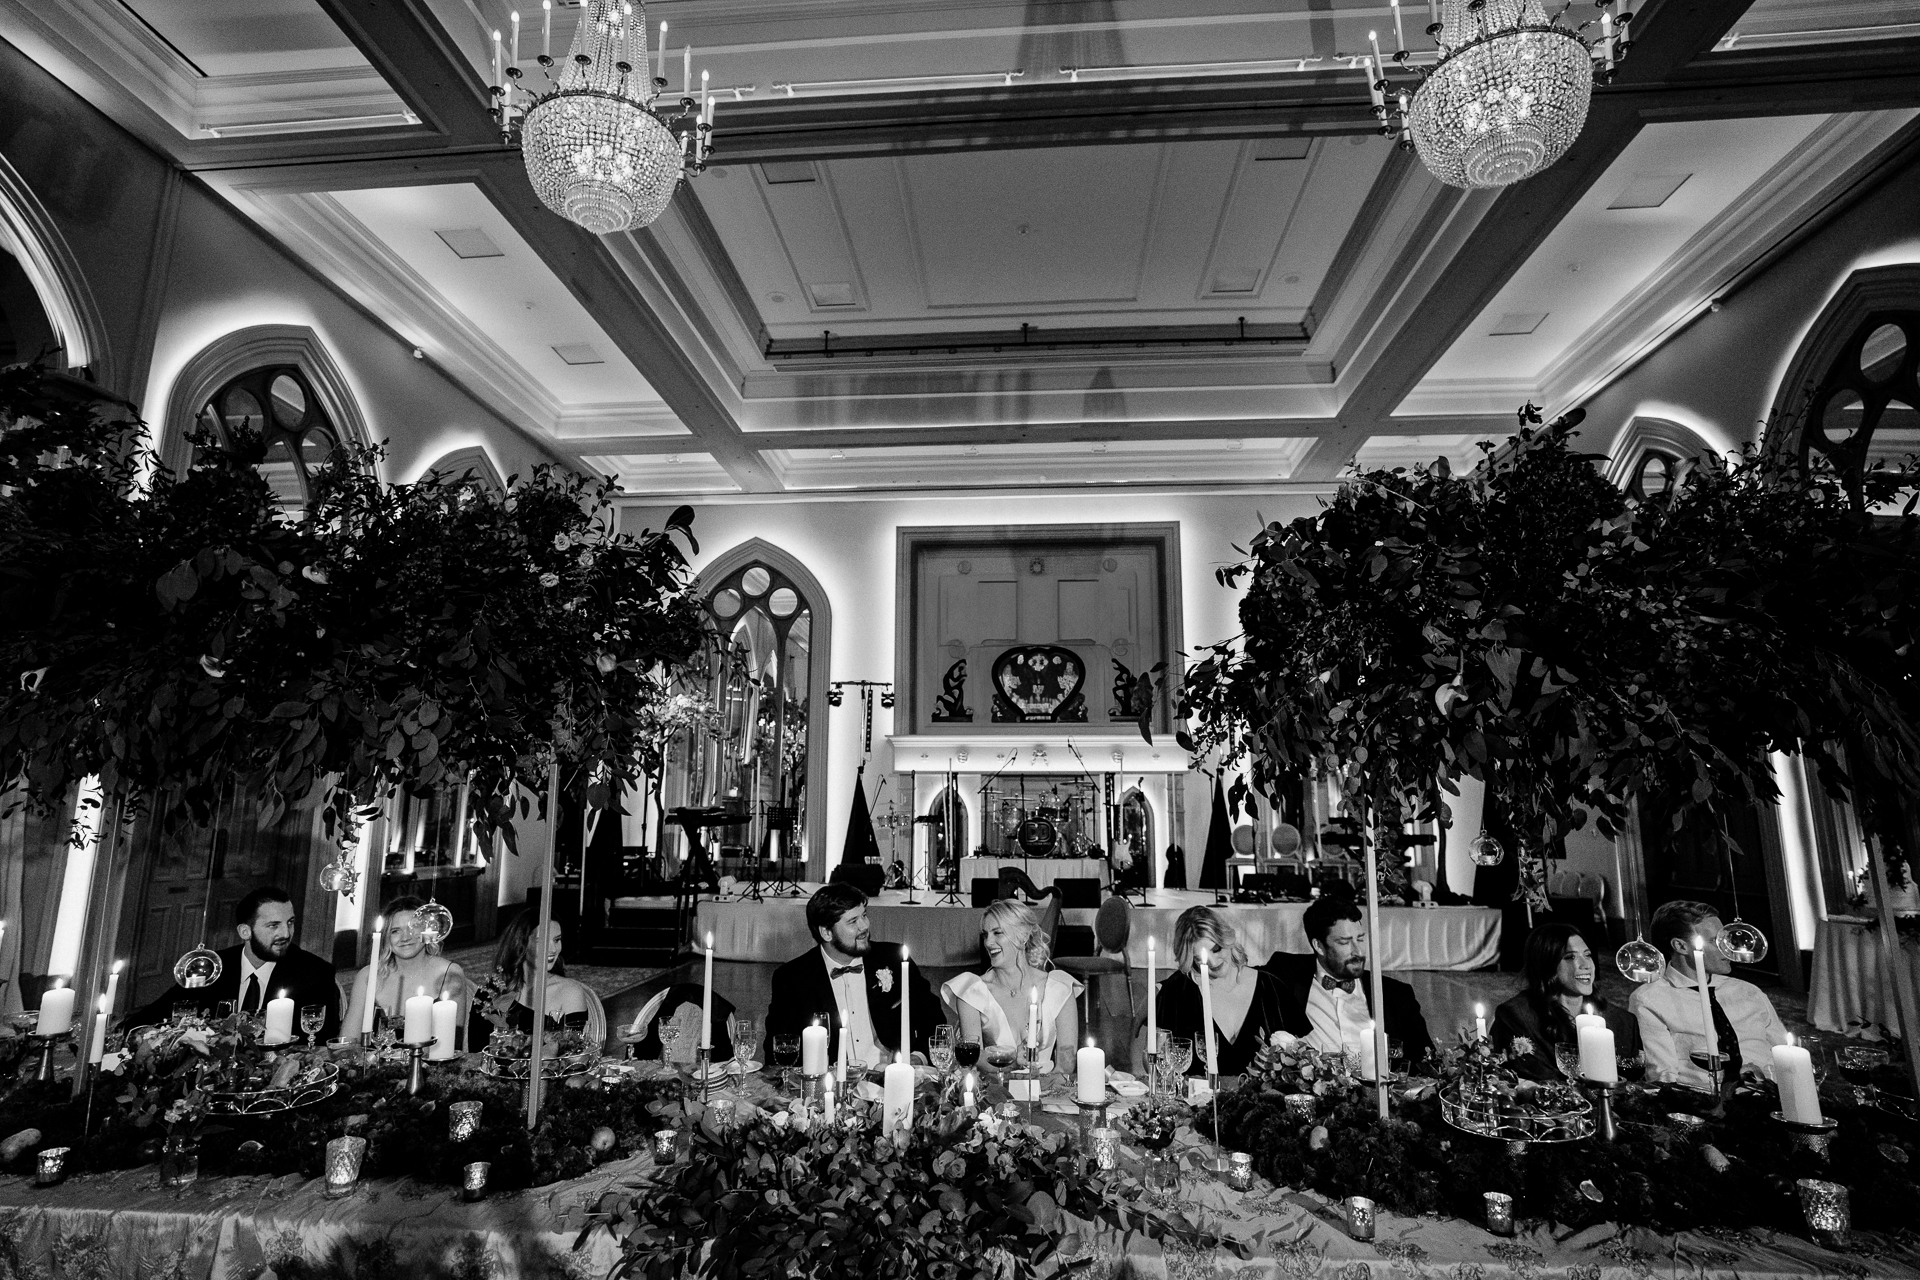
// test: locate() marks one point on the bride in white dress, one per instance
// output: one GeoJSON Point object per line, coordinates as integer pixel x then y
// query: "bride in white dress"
{"type": "Point", "coordinates": [992, 1007]}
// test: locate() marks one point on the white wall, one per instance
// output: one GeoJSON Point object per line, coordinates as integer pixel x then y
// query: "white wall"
{"type": "Point", "coordinates": [849, 546]}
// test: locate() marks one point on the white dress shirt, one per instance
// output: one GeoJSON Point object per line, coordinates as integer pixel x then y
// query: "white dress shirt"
{"type": "Point", "coordinates": [260, 969]}
{"type": "Point", "coordinates": [850, 993]}
{"type": "Point", "coordinates": [1668, 1010]}
{"type": "Point", "coordinates": [1340, 1018]}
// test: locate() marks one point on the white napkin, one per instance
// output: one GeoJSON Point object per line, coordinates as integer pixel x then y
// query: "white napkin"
{"type": "Point", "coordinates": [1125, 1085]}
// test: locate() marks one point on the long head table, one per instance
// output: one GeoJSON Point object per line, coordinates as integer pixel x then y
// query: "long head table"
{"type": "Point", "coordinates": [775, 930]}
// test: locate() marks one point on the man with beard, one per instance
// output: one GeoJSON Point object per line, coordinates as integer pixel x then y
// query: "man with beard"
{"type": "Point", "coordinates": [1330, 996]}
{"type": "Point", "coordinates": [848, 975]}
{"type": "Point", "coordinates": [265, 965]}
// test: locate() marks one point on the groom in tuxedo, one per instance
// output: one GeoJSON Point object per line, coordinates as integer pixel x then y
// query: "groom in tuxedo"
{"type": "Point", "coordinates": [266, 963]}
{"type": "Point", "coordinates": [849, 975]}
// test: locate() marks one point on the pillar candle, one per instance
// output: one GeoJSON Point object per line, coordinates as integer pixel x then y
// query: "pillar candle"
{"type": "Point", "coordinates": [1799, 1095]}
{"type": "Point", "coordinates": [1588, 1020]}
{"type": "Point", "coordinates": [1597, 1062]}
{"type": "Point", "coordinates": [1091, 1073]}
{"type": "Point", "coordinates": [56, 1012]}
{"type": "Point", "coordinates": [706, 999]}
{"type": "Point", "coordinates": [1480, 1022]}
{"type": "Point", "coordinates": [1153, 1014]}
{"type": "Point", "coordinates": [1369, 1052]}
{"type": "Point", "coordinates": [906, 1011]}
{"type": "Point", "coordinates": [279, 1020]}
{"type": "Point", "coordinates": [1706, 1007]}
{"type": "Point", "coordinates": [99, 1047]}
{"type": "Point", "coordinates": [897, 1099]}
{"type": "Point", "coordinates": [446, 1019]}
{"type": "Point", "coordinates": [1206, 1009]}
{"type": "Point", "coordinates": [419, 1025]}
{"type": "Point", "coordinates": [813, 1050]}
{"type": "Point", "coordinates": [1033, 1017]}
{"type": "Point", "coordinates": [373, 978]}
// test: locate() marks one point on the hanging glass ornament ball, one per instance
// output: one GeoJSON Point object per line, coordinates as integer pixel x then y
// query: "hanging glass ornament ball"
{"type": "Point", "coordinates": [436, 922]}
{"type": "Point", "coordinates": [1640, 960]}
{"type": "Point", "coordinates": [1486, 851]}
{"type": "Point", "coordinates": [197, 968]}
{"type": "Point", "coordinates": [1741, 942]}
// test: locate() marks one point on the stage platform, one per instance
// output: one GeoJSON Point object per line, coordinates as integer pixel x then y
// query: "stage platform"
{"type": "Point", "coordinates": [775, 930]}
{"type": "Point", "coordinates": [1042, 871]}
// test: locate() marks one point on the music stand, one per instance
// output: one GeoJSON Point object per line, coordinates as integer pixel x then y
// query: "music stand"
{"type": "Point", "coordinates": [752, 892]}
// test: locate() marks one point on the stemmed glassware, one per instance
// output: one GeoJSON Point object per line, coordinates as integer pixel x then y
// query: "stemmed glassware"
{"type": "Point", "coordinates": [966, 1054]}
{"type": "Point", "coordinates": [746, 1039]}
{"type": "Point", "coordinates": [786, 1052]}
{"type": "Point", "coordinates": [312, 1018]}
{"type": "Point", "coordinates": [940, 1049]}
{"type": "Point", "coordinates": [1176, 1056]}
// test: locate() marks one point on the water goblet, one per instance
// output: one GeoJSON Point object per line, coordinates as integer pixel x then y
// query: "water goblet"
{"type": "Point", "coordinates": [1178, 1055]}
{"type": "Point", "coordinates": [312, 1018]}
{"type": "Point", "coordinates": [940, 1048]}
{"type": "Point", "coordinates": [746, 1040]}
{"type": "Point", "coordinates": [1567, 1058]}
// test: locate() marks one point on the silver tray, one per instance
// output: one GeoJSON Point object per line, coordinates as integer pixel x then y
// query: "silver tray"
{"type": "Point", "coordinates": [550, 1068]}
{"type": "Point", "coordinates": [266, 1102]}
{"type": "Point", "coordinates": [1552, 1113]}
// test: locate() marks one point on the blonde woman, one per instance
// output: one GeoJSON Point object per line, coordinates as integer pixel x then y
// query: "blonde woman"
{"type": "Point", "coordinates": [410, 966]}
{"type": "Point", "coordinates": [992, 1006]}
{"type": "Point", "coordinates": [1249, 1004]}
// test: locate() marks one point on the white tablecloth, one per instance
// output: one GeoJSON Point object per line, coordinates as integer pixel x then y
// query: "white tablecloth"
{"type": "Point", "coordinates": [1042, 871]}
{"type": "Point", "coordinates": [776, 930]}
{"type": "Point", "coordinates": [1849, 984]}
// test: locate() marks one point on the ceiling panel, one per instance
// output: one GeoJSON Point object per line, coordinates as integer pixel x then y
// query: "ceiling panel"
{"type": "Point", "coordinates": [512, 299]}
{"type": "Point", "coordinates": [1386, 453]}
{"type": "Point", "coordinates": [1013, 465]}
{"type": "Point", "coordinates": [249, 37]}
{"type": "Point", "coordinates": [664, 473]}
{"type": "Point", "coordinates": [1774, 23]}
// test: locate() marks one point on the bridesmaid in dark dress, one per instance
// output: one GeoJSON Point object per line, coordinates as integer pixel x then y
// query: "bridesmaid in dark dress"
{"type": "Point", "coordinates": [517, 962]}
{"type": "Point", "coordinates": [1248, 1003]}
{"type": "Point", "coordinates": [1559, 967]}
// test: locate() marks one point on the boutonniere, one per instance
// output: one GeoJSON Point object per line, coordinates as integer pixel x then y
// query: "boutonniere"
{"type": "Point", "coordinates": [885, 978]}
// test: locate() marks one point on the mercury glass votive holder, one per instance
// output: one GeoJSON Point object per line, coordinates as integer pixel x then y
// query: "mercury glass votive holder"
{"type": "Point", "coordinates": [343, 1166]}
{"type": "Point", "coordinates": [463, 1120]}
{"type": "Point", "coordinates": [1105, 1145]}
{"type": "Point", "coordinates": [1299, 1106]}
{"type": "Point", "coordinates": [1360, 1215]}
{"type": "Point", "coordinates": [1499, 1213]}
{"type": "Point", "coordinates": [666, 1143]}
{"type": "Point", "coordinates": [52, 1166]}
{"type": "Point", "coordinates": [724, 1112]}
{"type": "Point", "coordinates": [473, 1180]}
{"type": "Point", "coordinates": [1829, 1215]}
{"type": "Point", "coordinates": [1240, 1171]}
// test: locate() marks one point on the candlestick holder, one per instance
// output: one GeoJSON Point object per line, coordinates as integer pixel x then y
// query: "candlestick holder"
{"type": "Point", "coordinates": [703, 1072]}
{"type": "Point", "coordinates": [1711, 1063]}
{"type": "Point", "coordinates": [1153, 1075]}
{"type": "Point", "coordinates": [417, 1069]}
{"type": "Point", "coordinates": [1093, 1115]}
{"type": "Point", "coordinates": [813, 1091]}
{"type": "Point", "coordinates": [45, 1046]}
{"type": "Point", "coordinates": [1605, 1089]}
{"type": "Point", "coordinates": [1816, 1139]}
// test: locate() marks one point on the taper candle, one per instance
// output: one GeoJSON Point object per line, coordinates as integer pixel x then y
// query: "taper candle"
{"type": "Point", "coordinates": [1206, 1009]}
{"type": "Point", "coordinates": [1706, 1002]}
{"type": "Point", "coordinates": [706, 999]}
{"type": "Point", "coordinates": [1033, 1017]}
{"type": "Point", "coordinates": [98, 1049]}
{"type": "Point", "coordinates": [1153, 1012]}
{"type": "Point", "coordinates": [846, 1050]}
{"type": "Point", "coordinates": [113, 984]}
{"type": "Point", "coordinates": [373, 978]}
{"type": "Point", "coordinates": [906, 993]}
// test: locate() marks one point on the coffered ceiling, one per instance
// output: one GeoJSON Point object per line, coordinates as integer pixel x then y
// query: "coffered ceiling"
{"type": "Point", "coordinates": [1009, 243]}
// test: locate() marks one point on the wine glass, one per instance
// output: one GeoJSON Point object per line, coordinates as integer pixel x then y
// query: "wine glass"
{"type": "Point", "coordinates": [312, 1018]}
{"type": "Point", "coordinates": [1567, 1058]}
{"type": "Point", "coordinates": [1175, 1057]}
{"type": "Point", "coordinates": [669, 1034]}
{"type": "Point", "coordinates": [940, 1048]}
{"type": "Point", "coordinates": [966, 1053]}
{"type": "Point", "coordinates": [786, 1052]}
{"type": "Point", "coordinates": [746, 1039]}
{"type": "Point", "coordinates": [1397, 1057]}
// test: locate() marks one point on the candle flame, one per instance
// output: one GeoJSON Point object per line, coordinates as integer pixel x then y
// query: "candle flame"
{"type": "Point", "coordinates": [101, 1004]}
{"type": "Point", "coordinates": [709, 939]}
{"type": "Point", "coordinates": [1479, 1010]}
{"type": "Point", "coordinates": [118, 965]}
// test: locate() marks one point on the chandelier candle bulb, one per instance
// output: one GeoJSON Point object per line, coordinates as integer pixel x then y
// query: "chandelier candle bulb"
{"type": "Point", "coordinates": [906, 992]}
{"type": "Point", "coordinates": [373, 978]}
{"type": "Point", "coordinates": [279, 1020]}
{"type": "Point", "coordinates": [1799, 1094]}
{"type": "Point", "coordinates": [704, 95]}
{"type": "Point", "coordinates": [813, 1050]}
{"type": "Point", "coordinates": [660, 56]}
{"type": "Point", "coordinates": [419, 1018]}
{"type": "Point", "coordinates": [56, 1012]}
{"type": "Point", "coordinates": [1206, 1010]}
{"type": "Point", "coordinates": [686, 71]}
{"type": "Point", "coordinates": [515, 16]}
{"type": "Point", "coordinates": [446, 1020]}
{"type": "Point", "coordinates": [546, 29]}
{"type": "Point", "coordinates": [500, 80]}
{"type": "Point", "coordinates": [897, 1096]}
{"type": "Point", "coordinates": [1597, 1062]}
{"type": "Point", "coordinates": [1399, 32]}
{"type": "Point", "coordinates": [706, 998]}
{"type": "Point", "coordinates": [1090, 1070]}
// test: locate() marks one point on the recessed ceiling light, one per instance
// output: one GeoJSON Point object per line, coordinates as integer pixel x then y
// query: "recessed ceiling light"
{"type": "Point", "coordinates": [1290, 279]}
{"type": "Point", "coordinates": [1099, 446]}
{"type": "Point", "coordinates": [1282, 149]}
{"type": "Point", "coordinates": [776, 297]}
{"type": "Point", "coordinates": [779, 173]}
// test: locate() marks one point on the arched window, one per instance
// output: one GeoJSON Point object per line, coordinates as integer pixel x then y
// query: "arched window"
{"type": "Point", "coordinates": [946, 835]}
{"type": "Point", "coordinates": [1136, 823]}
{"type": "Point", "coordinates": [1652, 456]}
{"type": "Point", "coordinates": [279, 405]}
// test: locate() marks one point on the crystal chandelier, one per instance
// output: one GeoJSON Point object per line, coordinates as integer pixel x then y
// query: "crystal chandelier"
{"type": "Point", "coordinates": [1508, 94]}
{"type": "Point", "coordinates": [599, 152]}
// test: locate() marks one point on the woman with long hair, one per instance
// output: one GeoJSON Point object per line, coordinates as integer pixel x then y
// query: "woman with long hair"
{"type": "Point", "coordinates": [410, 965]}
{"type": "Point", "coordinates": [1248, 1003]}
{"type": "Point", "coordinates": [520, 962]}
{"type": "Point", "coordinates": [992, 1006]}
{"type": "Point", "coordinates": [1559, 968]}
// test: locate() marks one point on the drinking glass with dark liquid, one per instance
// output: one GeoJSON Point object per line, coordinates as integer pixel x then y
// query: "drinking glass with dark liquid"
{"type": "Point", "coordinates": [966, 1054]}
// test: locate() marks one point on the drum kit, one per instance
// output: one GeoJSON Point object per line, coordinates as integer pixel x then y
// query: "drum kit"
{"type": "Point", "coordinates": [1053, 824]}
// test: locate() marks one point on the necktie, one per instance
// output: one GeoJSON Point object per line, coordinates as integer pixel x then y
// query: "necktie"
{"type": "Point", "coordinates": [251, 1004]}
{"type": "Point", "coordinates": [843, 971]}
{"type": "Point", "coordinates": [1728, 1042]}
{"type": "Point", "coordinates": [1329, 984]}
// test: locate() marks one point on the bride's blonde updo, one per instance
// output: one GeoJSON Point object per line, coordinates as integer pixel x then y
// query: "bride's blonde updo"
{"type": "Point", "coordinates": [1023, 930]}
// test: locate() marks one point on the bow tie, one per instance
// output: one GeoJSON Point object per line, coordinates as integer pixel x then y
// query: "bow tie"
{"type": "Point", "coordinates": [843, 970]}
{"type": "Point", "coordinates": [1329, 984]}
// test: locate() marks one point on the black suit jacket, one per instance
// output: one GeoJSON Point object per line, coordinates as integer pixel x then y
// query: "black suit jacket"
{"type": "Point", "coordinates": [802, 990]}
{"type": "Point", "coordinates": [305, 977]}
{"type": "Point", "coordinates": [1404, 1021]}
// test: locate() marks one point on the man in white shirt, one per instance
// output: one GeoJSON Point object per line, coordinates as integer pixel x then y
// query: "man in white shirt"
{"type": "Point", "coordinates": [1744, 1027]}
{"type": "Point", "coordinates": [1330, 995]}
{"type": "Point", "coordinates": [849, 976]}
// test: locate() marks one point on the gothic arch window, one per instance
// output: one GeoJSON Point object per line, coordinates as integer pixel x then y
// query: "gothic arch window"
{"type": "Point", "coordinates": [1652, 456]}
{"type": "Point", "coordinates": [43, 294]}
{"type": "Point", "coordinates": [1136, 823]}
{"type": "Point", "coordinates": [278, 405]}
{"type": "Point", "coordinates": [946, 834]}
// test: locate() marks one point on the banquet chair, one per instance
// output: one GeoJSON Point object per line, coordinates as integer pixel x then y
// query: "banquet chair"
{"type": "Point", "coordinates": [1112, 926]}
{"type": "Point", "coordinates": [680, 1004]}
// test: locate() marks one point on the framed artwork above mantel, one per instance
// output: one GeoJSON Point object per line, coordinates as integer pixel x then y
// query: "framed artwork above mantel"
{"type": "Point", "coordinates": [1005, 630]}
